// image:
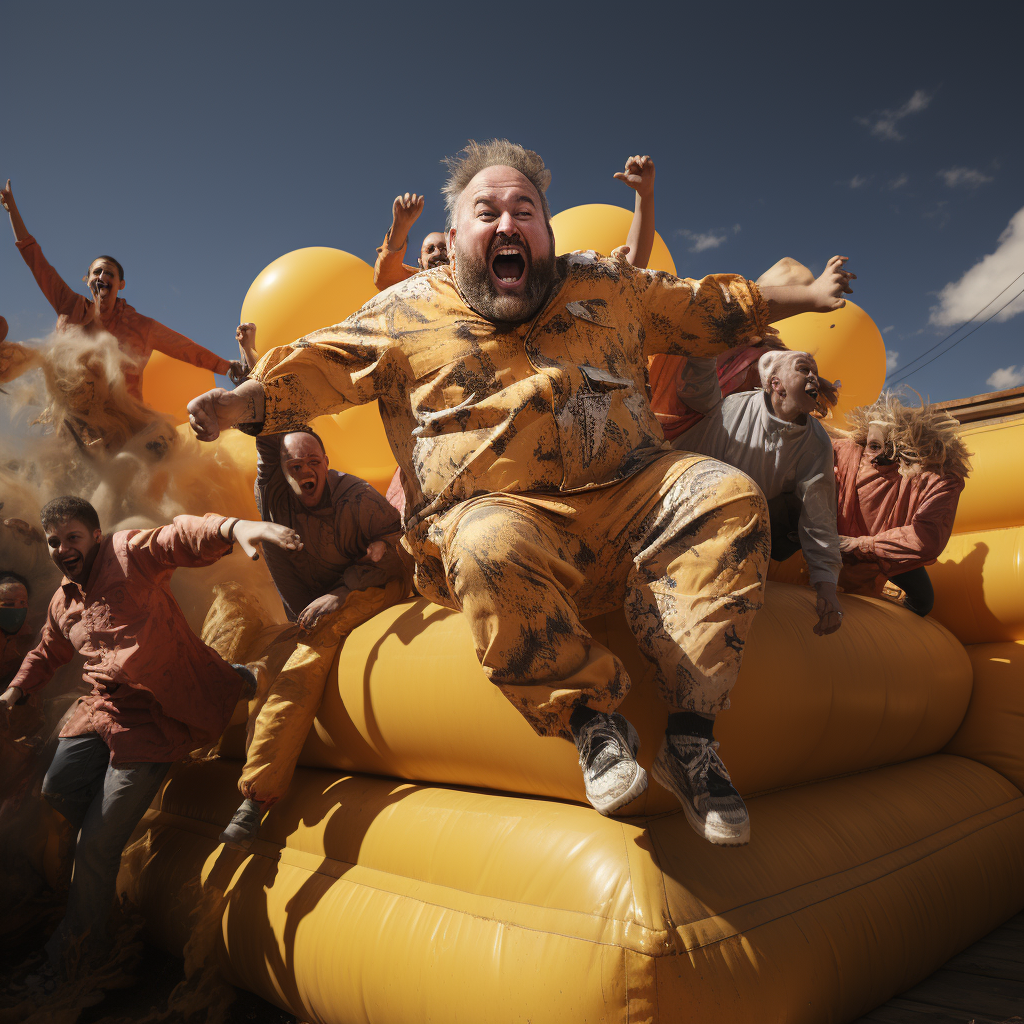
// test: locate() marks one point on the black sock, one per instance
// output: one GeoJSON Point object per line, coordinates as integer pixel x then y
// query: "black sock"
{"type": "Point", "coordinates": [580, 716]}
{"type": "Point", "coordinates": [689, 723]}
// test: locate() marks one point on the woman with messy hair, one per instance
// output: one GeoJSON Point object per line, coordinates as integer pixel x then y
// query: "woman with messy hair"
{"type": "Point", "coordinates": [899, 474]}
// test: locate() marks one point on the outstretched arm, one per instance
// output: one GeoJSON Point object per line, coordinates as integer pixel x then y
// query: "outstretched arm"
{"type": "Point", "coordinates": [823, 295]}
{"type": "Point", "coordinates": [39, 665]}
{"type": "Point", "coordinates": [351, 363]}
{"type": "Point", "coordinates": [639, 175]}
{"type": "Point", "coordinates": [7, 200]}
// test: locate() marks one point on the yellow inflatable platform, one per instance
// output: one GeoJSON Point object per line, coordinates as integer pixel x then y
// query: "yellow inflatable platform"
{"type": "Point", "coordinates": [435, 860]}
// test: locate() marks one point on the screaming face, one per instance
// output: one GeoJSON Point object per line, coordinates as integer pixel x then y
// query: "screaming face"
{"type": "Point", "coordinates": [503, 249]}
{"type": "Point", "coordinates": [73, 548]}
{"type": "Point", "coordinates": [304, 464]}
{"type": "Point", "coordinates": [104, 282]}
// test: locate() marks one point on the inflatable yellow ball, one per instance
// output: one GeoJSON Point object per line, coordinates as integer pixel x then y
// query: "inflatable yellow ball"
{"type": "Point", "coordinates": [602, 228]}
{"type": "Point", "coordinates": [297, 294]}
{"type": "Point", "coordinates": [168, 385]}
{"type": "Point", "coordinates": [847, 346]}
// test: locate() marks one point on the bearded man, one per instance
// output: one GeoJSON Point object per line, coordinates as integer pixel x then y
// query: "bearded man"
{"type": "Point", "coordinates": [539, 489]}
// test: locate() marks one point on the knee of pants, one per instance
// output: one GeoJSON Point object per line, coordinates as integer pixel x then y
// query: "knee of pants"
{"type": "Point", "coordinates": [98, 851]}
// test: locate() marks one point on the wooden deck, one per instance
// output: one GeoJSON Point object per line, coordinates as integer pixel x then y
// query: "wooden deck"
{"type": "Point", "coordinates": [984, 983]}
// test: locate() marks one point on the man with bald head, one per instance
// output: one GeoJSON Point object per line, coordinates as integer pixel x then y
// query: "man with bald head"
{"type": "Point", "coordinates": [390, 268]}
{"type": "Point", "coordinates": [347, 570]}
{"type": "Point", "coordinates": [539, 489]}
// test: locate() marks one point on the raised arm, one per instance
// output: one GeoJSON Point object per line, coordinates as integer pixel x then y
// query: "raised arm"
{"type": "Point", "coordinates": [823, 295]}
{"type": "Point", "coordinates": [352, 363]}
{"type": "Point", "coordinates": [64, 300]}
{"type": "Point", "coordinates": [639, 175]}
{"type": "Point", "coordinates": [7, 200]}
{"type": "Point", "coordinates": [389, 268]}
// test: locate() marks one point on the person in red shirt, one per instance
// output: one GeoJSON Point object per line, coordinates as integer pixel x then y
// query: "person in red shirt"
{"type": "Point", "coordinates": [389, 268]}
{"type": "Point", "coordinates": [899, 474]}
{"type": "Point", "coordinates": [137, 335]}
{"type": "Point", "coordinates": [157, 691]}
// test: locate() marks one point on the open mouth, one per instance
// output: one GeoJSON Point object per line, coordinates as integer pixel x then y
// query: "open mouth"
{"type": "Point", "coordinates": [308, 486]}
{"type": "Point", "coordinates": [509, 266]}
{"type": "Point", "coordinates": [71, 565]}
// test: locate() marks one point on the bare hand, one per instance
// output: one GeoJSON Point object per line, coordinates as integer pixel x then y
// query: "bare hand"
{"type": "Point", "coordinates": [237, 371]}
{"type": "Point", "coordinates": [639, 174]}
{"type": "Point", "coordinates": [827, 290]}
{"type": "Point", "coordinates": [315, 610]}
{"type": "Point", "coordinates": [405, 211]}
{"type": "Point", "coordinates": [10, 697]}
{"type": "Point", "coordinates": [848, 545]}
{"type": "Point", "coordinates": [830, 611]}
{"type": "Point", "coordinates": [620, 252]}
{"type": "Point", "coordinates": [376, 550]}
{"type": "Point", "coordinates": [249, 533]}
{"type": "Point", "coordinates": [7, 197]}
{"type": "Point", "coordinates": [215, 411]}
{"type": "Point", "coordinates": [29, 534]}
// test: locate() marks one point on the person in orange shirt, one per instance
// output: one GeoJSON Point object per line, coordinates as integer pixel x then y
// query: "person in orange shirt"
{"type": "Point", "coordinates": [136, 334]}
{"type": "Point", "coordinates": [389, 268]}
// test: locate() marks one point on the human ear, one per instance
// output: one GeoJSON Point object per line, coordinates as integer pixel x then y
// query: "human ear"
{"type": "Point", "coordinates": [121, 285]}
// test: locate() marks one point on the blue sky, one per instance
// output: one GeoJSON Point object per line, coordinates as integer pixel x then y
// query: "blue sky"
{"type": "Point", "coordinates": [198, 142]}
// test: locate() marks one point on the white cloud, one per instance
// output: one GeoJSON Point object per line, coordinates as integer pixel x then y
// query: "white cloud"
{"type": "Point", "coordinates": [1008, 377]}
{"type": "Point", "coordinates": [857, 181]}
{"type": "Point", "coordinates": [884, 124]}
{"type": "Point", "coordinates": [735, 229]}
{"type": "Point", "coordinates": [886, 330]}
{"type": "Point", "coordinates": [891, 359]}
{"type": "Point", "coordinates": [898, 182]}
{"type": "Point", "coordinates": [700, 241]}
{"type": "Point", "coordinates": [963, 176]}
{"type": "Point", "coordinates": [985, 281]}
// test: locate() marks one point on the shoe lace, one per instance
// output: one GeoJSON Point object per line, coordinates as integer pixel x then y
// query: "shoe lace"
{"type": "Point", "coordinates": [602, 747]}
{"type": "Point", "coordinates": [707, 764]}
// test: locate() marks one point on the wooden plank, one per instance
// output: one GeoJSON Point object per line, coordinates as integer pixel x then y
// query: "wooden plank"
{"type": "Point", "coordinates": [989, 963]}
{"type": "Point", "coordinates": [953, 990]}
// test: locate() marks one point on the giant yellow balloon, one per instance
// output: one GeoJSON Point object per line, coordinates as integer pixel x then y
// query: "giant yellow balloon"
{"type": "Point", "coordinates": [168, 385]}
{"type": "Point", "coordinates": [301, 292]}
{"type": "Point", "coordinates": [847, 346]}
{"type": "Point", "coordinates": [602, 227]}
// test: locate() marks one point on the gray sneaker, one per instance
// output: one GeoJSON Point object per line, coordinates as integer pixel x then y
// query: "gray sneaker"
{"type": "Point", "coordinates": [689, 767]}
{"type": "Point", "coordinates": [608, 746]}
{"type": "Point", "coordinates": [244, 826]}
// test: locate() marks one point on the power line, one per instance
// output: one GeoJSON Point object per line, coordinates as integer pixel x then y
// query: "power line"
{"type": "Point", "coordinates": [903, 369]}
{"type": "Point", "coordinates": [938, 355]}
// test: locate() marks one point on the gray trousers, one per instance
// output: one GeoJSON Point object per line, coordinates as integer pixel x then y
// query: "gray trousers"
{"type": "Point", "coordinates": [105, 803]}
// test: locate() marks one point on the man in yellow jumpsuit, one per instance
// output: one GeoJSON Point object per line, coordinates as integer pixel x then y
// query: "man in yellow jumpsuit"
{"type": "Point", "coordinates": [539, 488]}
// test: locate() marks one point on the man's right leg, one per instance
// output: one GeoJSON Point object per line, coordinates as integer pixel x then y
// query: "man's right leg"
{"type": "Point", "coordinates": [75, 776]}
{"type": "Point", "coordinates": [513, 574]}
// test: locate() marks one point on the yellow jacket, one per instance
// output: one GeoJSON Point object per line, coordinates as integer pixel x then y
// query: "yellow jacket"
{"type": "Point", "coordinates": [557, 404]}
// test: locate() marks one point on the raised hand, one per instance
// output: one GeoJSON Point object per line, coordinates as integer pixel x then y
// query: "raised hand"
{"type": "Point", "coordinates": [829, 288]}
{"type": "Point", "coordinates": [249, 533]}
{"type": "Point", "coordinates": [405, 211]}
{"type": "Point", "coordinates": [7, 197]}
{"type": "Point", "coordinates": [639, 174]}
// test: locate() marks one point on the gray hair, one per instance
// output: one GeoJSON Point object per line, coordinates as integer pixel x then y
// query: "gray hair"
{"type": "Point", "coordinates": [771, 362]}
{"type": "Point", "coordinates": [478, 156]}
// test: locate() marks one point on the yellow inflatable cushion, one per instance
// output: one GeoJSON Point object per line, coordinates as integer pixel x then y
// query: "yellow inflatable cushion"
{"type": "Point", "coordinates": [993, 497]}
{"type": "Point", "coordinates": [369, 900]}
{"type": "Point", "coordinates": [993, 731]}
{"type": "Point", "coordinates": [979, 586]}
{"type": "Point", "coordinates": [407, 698]}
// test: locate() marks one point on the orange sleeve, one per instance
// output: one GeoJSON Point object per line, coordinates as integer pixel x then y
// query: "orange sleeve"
{"type": "Point", "coordinates": [177, 346]}
{"type": "Point", "coordinates": [64, 301]}
{"type": "Point", "coordinates": [389, 268]}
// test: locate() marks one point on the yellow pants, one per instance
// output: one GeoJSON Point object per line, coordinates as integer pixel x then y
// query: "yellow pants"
{"type": "Point", "coordinates": [287, 700]}
{"type": "Point", "coordinates": [682, 546]}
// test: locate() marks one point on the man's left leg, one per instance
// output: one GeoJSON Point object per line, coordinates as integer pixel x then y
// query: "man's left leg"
{"type": "Point", "coordinates": [283, 722]}
{"type": "Point", "coordinates": [127, 792]}
{"type": "Point", "coordinates": [697, 581]}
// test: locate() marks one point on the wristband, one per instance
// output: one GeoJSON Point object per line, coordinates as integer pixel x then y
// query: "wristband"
{"type": "Point", "coordinates": [231, 530]}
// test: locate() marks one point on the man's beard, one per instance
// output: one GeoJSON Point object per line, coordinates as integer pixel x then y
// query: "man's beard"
{"type": "Point", "coordinates": [473, 276]}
